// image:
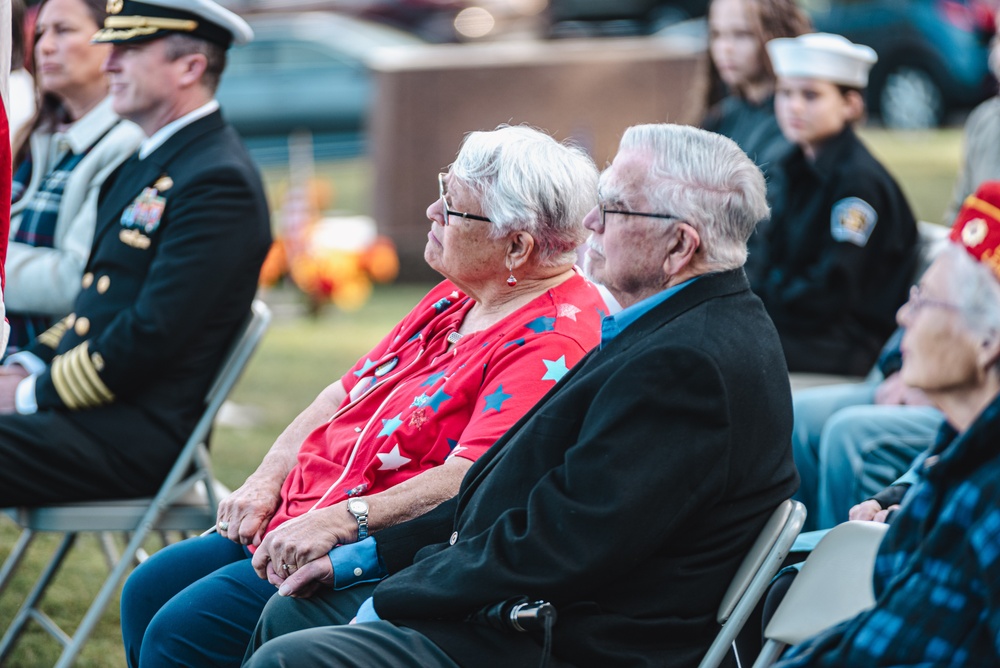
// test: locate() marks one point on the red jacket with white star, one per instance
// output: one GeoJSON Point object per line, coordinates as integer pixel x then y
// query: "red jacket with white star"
{"type": "Point", "coordinates": [416, 400]}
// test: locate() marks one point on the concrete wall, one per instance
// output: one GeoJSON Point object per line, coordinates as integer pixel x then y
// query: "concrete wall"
{"type": "Point", "coordinates": [589, 91]}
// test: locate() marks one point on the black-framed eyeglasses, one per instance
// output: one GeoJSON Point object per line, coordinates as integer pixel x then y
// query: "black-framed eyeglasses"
{"type": "Point", "coordinates": [447, 209]}
{"type": "Point", "coordinates": [918, 301]}
{"type": "Point", "coordinates": [605, 211]}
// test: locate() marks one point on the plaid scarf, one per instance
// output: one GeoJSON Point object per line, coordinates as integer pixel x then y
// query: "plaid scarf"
{"type": "Point", "coordinates": [37, 229]}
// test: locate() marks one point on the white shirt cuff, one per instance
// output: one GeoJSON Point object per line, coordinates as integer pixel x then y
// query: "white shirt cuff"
{"type": "Point", "coordinates": [24, 397]}
{"type": "Point", "coordinates": [31, 362]}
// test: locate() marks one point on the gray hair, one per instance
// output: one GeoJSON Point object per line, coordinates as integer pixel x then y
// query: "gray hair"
{"type": "Point", "coordinates": [707, 181]}
{"type": "Point", "coordinates": [975, 289]}
{"type": "Point", "coordinates": [527, 181]}
{"type": "Point", "coordinates": [185, 45]}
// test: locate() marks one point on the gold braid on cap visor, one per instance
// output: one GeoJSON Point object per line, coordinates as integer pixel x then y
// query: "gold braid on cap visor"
{"type": "Point", "coordinates": [127, 27]}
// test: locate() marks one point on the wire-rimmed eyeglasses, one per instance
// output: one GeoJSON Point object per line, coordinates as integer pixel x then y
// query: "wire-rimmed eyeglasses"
{"type": "Point", "coordinates": [918, 301]}
{"type": "Point", "coordinates": [605, 211]}
{"type": "Point", "coordinates": [447, 209]}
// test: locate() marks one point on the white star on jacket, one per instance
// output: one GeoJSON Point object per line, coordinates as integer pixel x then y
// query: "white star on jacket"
{"type": "Point", "coordinates": [391, 460]}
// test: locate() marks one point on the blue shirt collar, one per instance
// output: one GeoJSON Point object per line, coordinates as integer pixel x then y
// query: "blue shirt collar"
{"type": "Point", "coordinates": [613, 325]}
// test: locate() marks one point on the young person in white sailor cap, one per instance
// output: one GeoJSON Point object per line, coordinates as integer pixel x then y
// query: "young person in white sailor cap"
{"type": "Point", "coordinates": [841, 246]}
{"type": "Point", "coordinates": [99, 405]}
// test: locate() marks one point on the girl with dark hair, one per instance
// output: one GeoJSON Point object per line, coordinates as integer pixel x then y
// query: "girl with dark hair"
{"type": "Point", "coordinates": [739, 66]}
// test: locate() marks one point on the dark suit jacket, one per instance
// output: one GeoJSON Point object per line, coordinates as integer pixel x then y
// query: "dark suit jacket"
{"type": "Point", "coordinates": [162, 297]}
{"type": "Point", "coordinates": [627, 497]}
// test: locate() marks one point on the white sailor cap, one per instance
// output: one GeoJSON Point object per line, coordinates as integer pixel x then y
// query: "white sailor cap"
{"type": "Point", "coordinates": [823, 56]}
{"type": "Point", "coordinates": [134, 21]}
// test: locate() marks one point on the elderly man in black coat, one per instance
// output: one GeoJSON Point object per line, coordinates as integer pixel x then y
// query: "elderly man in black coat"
{"type": "Point", "coordinates": [628, 496]}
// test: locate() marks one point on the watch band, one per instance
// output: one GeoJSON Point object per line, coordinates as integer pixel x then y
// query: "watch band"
{"type": "Point", "coordinates": [360, 515]}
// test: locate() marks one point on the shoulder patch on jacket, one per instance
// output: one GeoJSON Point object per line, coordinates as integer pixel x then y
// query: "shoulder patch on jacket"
{"type": "Point", "coordinates": [853, 220]}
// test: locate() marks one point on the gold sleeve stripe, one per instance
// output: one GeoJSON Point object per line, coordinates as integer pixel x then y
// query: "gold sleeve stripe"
{"type": "Point", "coordinates": [85, 366]}
{"type": "Point", "coordinates": [59, 381]}
{"type": "Point", "coordinates": [77, 381]}
{"type": "Point", "coordinates": [53, 335]}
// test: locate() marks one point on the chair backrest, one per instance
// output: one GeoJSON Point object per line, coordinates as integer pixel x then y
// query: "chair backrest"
{"type": "Point", "coordinates": [835, 583]}
{"type": "Point", "coordinates": [754, 575]}
{"type": "Point", "coordinates": [225, 378]}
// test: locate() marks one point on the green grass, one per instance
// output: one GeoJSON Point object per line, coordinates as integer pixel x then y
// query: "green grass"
{"type": "Point", "coordinates": [301, 355]}
{"type": "Point", "coordinates": [925, 164]}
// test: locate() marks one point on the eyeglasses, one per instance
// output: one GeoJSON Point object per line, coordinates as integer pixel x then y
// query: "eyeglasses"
{"type": "Point", "coordinates": [447, 210]}
{"type": "Point", "coordinates": [605, 211]}
{"type": "Point", "coordinates": [917, 301]}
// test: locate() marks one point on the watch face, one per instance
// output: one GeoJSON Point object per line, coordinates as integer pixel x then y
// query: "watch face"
{"type": "Point", "coordinates": [358, 506]}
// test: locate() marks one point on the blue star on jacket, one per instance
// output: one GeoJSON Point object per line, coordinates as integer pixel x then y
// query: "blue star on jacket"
{"type": "Point", "coordinates": [555, 369]}
{"type": "Point", "coordinates": [495, 400]}
{"type": "Point", "coordinates": [442, 304]}
{"type": "Point", "coordinates": [541, 324]}
{"type": "Point", "coordinates": [391, 425]}
{"type": "Point", "coordinates": [433, 378]}
{"type": "Point", "coordinates": [437, 399]}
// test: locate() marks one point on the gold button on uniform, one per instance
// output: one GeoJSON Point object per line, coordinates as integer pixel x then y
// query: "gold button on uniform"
{"type": "Point", "coordinates": [88, 278]}
{"type": "Point", "coordinates": [103, 283]}
{"type": "Point", "coordinates": [82, 326]}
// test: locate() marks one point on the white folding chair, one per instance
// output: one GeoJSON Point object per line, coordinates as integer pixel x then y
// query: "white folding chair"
{"type": "Point", "coordinates": [754, 575]}
{"type": "Point", "coordinates": [186, 501]}
{"type": "Point", "coordinates": [835, 584]}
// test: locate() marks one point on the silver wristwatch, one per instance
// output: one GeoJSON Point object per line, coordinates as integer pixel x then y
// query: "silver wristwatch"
{"type": "Point", "coordinates": [359, 508]}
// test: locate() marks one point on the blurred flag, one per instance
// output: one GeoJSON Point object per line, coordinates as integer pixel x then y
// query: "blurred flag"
{"type": "Point", "coordinates": [5, 156]}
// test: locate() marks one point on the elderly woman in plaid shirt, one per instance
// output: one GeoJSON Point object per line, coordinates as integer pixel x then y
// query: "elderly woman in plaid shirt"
{"type": "Point", "coordinates": [937, 574]}
{"type": "Point", "coordinates": [73, 144]}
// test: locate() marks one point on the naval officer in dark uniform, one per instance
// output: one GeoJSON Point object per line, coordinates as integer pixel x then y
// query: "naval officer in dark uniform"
{"type": "Point", "coordinates": [842, 243]}
{"type": "Point", "coordinates": [100, 405]}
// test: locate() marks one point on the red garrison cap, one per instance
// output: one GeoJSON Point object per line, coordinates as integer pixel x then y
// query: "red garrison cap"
{"type": "Point", "coordinates": [977, 226]}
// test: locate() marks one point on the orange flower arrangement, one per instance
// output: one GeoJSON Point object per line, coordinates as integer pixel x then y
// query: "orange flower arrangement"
{"type": "Point", "coordinates": [332, 259]}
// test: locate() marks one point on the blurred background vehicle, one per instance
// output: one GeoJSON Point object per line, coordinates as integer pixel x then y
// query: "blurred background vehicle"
{"type": "Point", "coordinates": [305, 72]}
{"type": "Point", "coordinates": [588, 18]}
{"type": "Point", "coordinates": [434, 21]}
{"type": "Point", "coordinates": [932, 54]}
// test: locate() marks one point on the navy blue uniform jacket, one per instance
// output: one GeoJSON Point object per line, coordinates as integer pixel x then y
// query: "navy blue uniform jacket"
{"type": "Point", "coordinates": [163, 294]}
{"type": "Point", "coordinates": [834, 300]}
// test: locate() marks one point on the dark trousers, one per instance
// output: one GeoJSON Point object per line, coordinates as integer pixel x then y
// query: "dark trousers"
{"type": "Point", "coordinates": [194, 603]}
{"type": "Point", "coordinates": [369, 645]}
{"type": "Point", "coordinates": [49, 458]}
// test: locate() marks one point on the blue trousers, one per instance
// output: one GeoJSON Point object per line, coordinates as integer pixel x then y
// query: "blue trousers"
{"type": "Point", "coordinates": [194, 603]}
{"type": "Point", "coordinates": [846, 448]}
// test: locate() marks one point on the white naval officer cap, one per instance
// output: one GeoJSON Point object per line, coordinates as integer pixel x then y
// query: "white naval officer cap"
{"type": "Point", "coordinates": [134, 21]}
{"type": "Point", "coordinates": [822, 55]}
